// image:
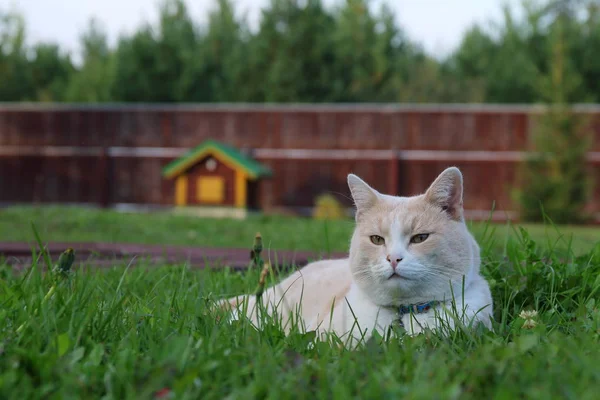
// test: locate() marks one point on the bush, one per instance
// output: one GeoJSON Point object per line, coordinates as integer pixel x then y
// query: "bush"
{"type": "Point", "coordinates": [328, 207]}
{"type": "Point", "coordinates": [554, 178]}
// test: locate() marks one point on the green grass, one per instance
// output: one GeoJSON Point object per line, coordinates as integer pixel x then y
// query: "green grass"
{"type": "Point", "coordinates": [82, 224]}
{"type": "Point", "coordinates": [123, 333]}
{"type": "Point", "coordinates": [130, 333]}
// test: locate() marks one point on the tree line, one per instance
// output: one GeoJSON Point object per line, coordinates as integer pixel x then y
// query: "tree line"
{"type": "Point", "coordinates": [303, 51]}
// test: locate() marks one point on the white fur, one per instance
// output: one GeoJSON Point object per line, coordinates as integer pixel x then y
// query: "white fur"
{"type": "Point", "coordinates": [352, 297]}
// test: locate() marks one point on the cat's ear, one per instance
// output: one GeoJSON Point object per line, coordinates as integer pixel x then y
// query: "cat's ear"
{"type": "Point", "coordinates": [446, 192]}
{"type": "Point", "coordinates": [364, 195]}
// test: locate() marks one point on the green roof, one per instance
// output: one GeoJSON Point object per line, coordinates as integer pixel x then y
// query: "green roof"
{"type": "Point", "coordinates": [253, 168]}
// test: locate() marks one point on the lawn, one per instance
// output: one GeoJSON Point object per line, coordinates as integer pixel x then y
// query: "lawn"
{"type": "Point", "coordinates": [149, 333]}
{"type": "Point", "coordinates": [290, 233]}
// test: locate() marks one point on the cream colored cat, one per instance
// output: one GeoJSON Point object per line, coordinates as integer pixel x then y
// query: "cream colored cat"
{"type": "Point", "coordinates": [405, 253]}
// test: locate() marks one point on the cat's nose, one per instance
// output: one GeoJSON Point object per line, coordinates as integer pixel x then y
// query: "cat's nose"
{"type": "Point", "coordinates": [394, 260]}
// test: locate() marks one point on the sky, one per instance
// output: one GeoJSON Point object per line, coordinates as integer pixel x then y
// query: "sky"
{"type": "Point", "coordinates": [437, 24]}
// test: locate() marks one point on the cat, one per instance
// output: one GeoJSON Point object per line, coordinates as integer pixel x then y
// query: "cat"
{"type": "Point", "coordinates": [412, 261]}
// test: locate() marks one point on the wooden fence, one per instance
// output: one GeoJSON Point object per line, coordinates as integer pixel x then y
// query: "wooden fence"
{"type": "Point", "coordinates": [113, 154]}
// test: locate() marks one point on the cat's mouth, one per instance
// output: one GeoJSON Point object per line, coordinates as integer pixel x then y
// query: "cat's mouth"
{"type": "Point", "coordinates": [396, 275]}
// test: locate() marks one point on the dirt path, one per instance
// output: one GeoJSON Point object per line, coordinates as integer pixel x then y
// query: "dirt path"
{"type": "Point", "coordinates": [18, 254]}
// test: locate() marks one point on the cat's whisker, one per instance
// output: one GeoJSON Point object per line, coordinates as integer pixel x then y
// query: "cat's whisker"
{"type": "Point", "coordinates": [344, 195]}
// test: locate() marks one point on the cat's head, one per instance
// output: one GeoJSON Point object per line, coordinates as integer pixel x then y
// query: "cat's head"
{"type": "Point", "coordinates": [409, 249]}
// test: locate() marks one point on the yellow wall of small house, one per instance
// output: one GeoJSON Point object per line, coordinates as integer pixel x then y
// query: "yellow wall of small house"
{"type": "Point", "coordinates": [181, 190]}
{"type": "Point", "coordinates": [211, 189]}
{"type": "Point", "coordinates": [240, 189]}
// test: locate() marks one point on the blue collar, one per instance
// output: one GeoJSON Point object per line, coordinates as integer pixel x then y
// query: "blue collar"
{"type": "Point", "coordinates": [415, 309]}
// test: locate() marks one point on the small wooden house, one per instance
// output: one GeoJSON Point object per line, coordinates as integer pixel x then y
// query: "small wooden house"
{"type": "Point", "coordinates": [214, 174]}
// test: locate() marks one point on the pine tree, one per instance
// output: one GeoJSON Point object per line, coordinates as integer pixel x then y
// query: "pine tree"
{"type": "Point", "coordinates": [555, 177]}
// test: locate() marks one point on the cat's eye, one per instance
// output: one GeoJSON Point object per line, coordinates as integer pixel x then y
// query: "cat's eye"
{"type": "Point", "coordinates": [377, 240]}
{"type": "Point", "coordinates": [420, 238]}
